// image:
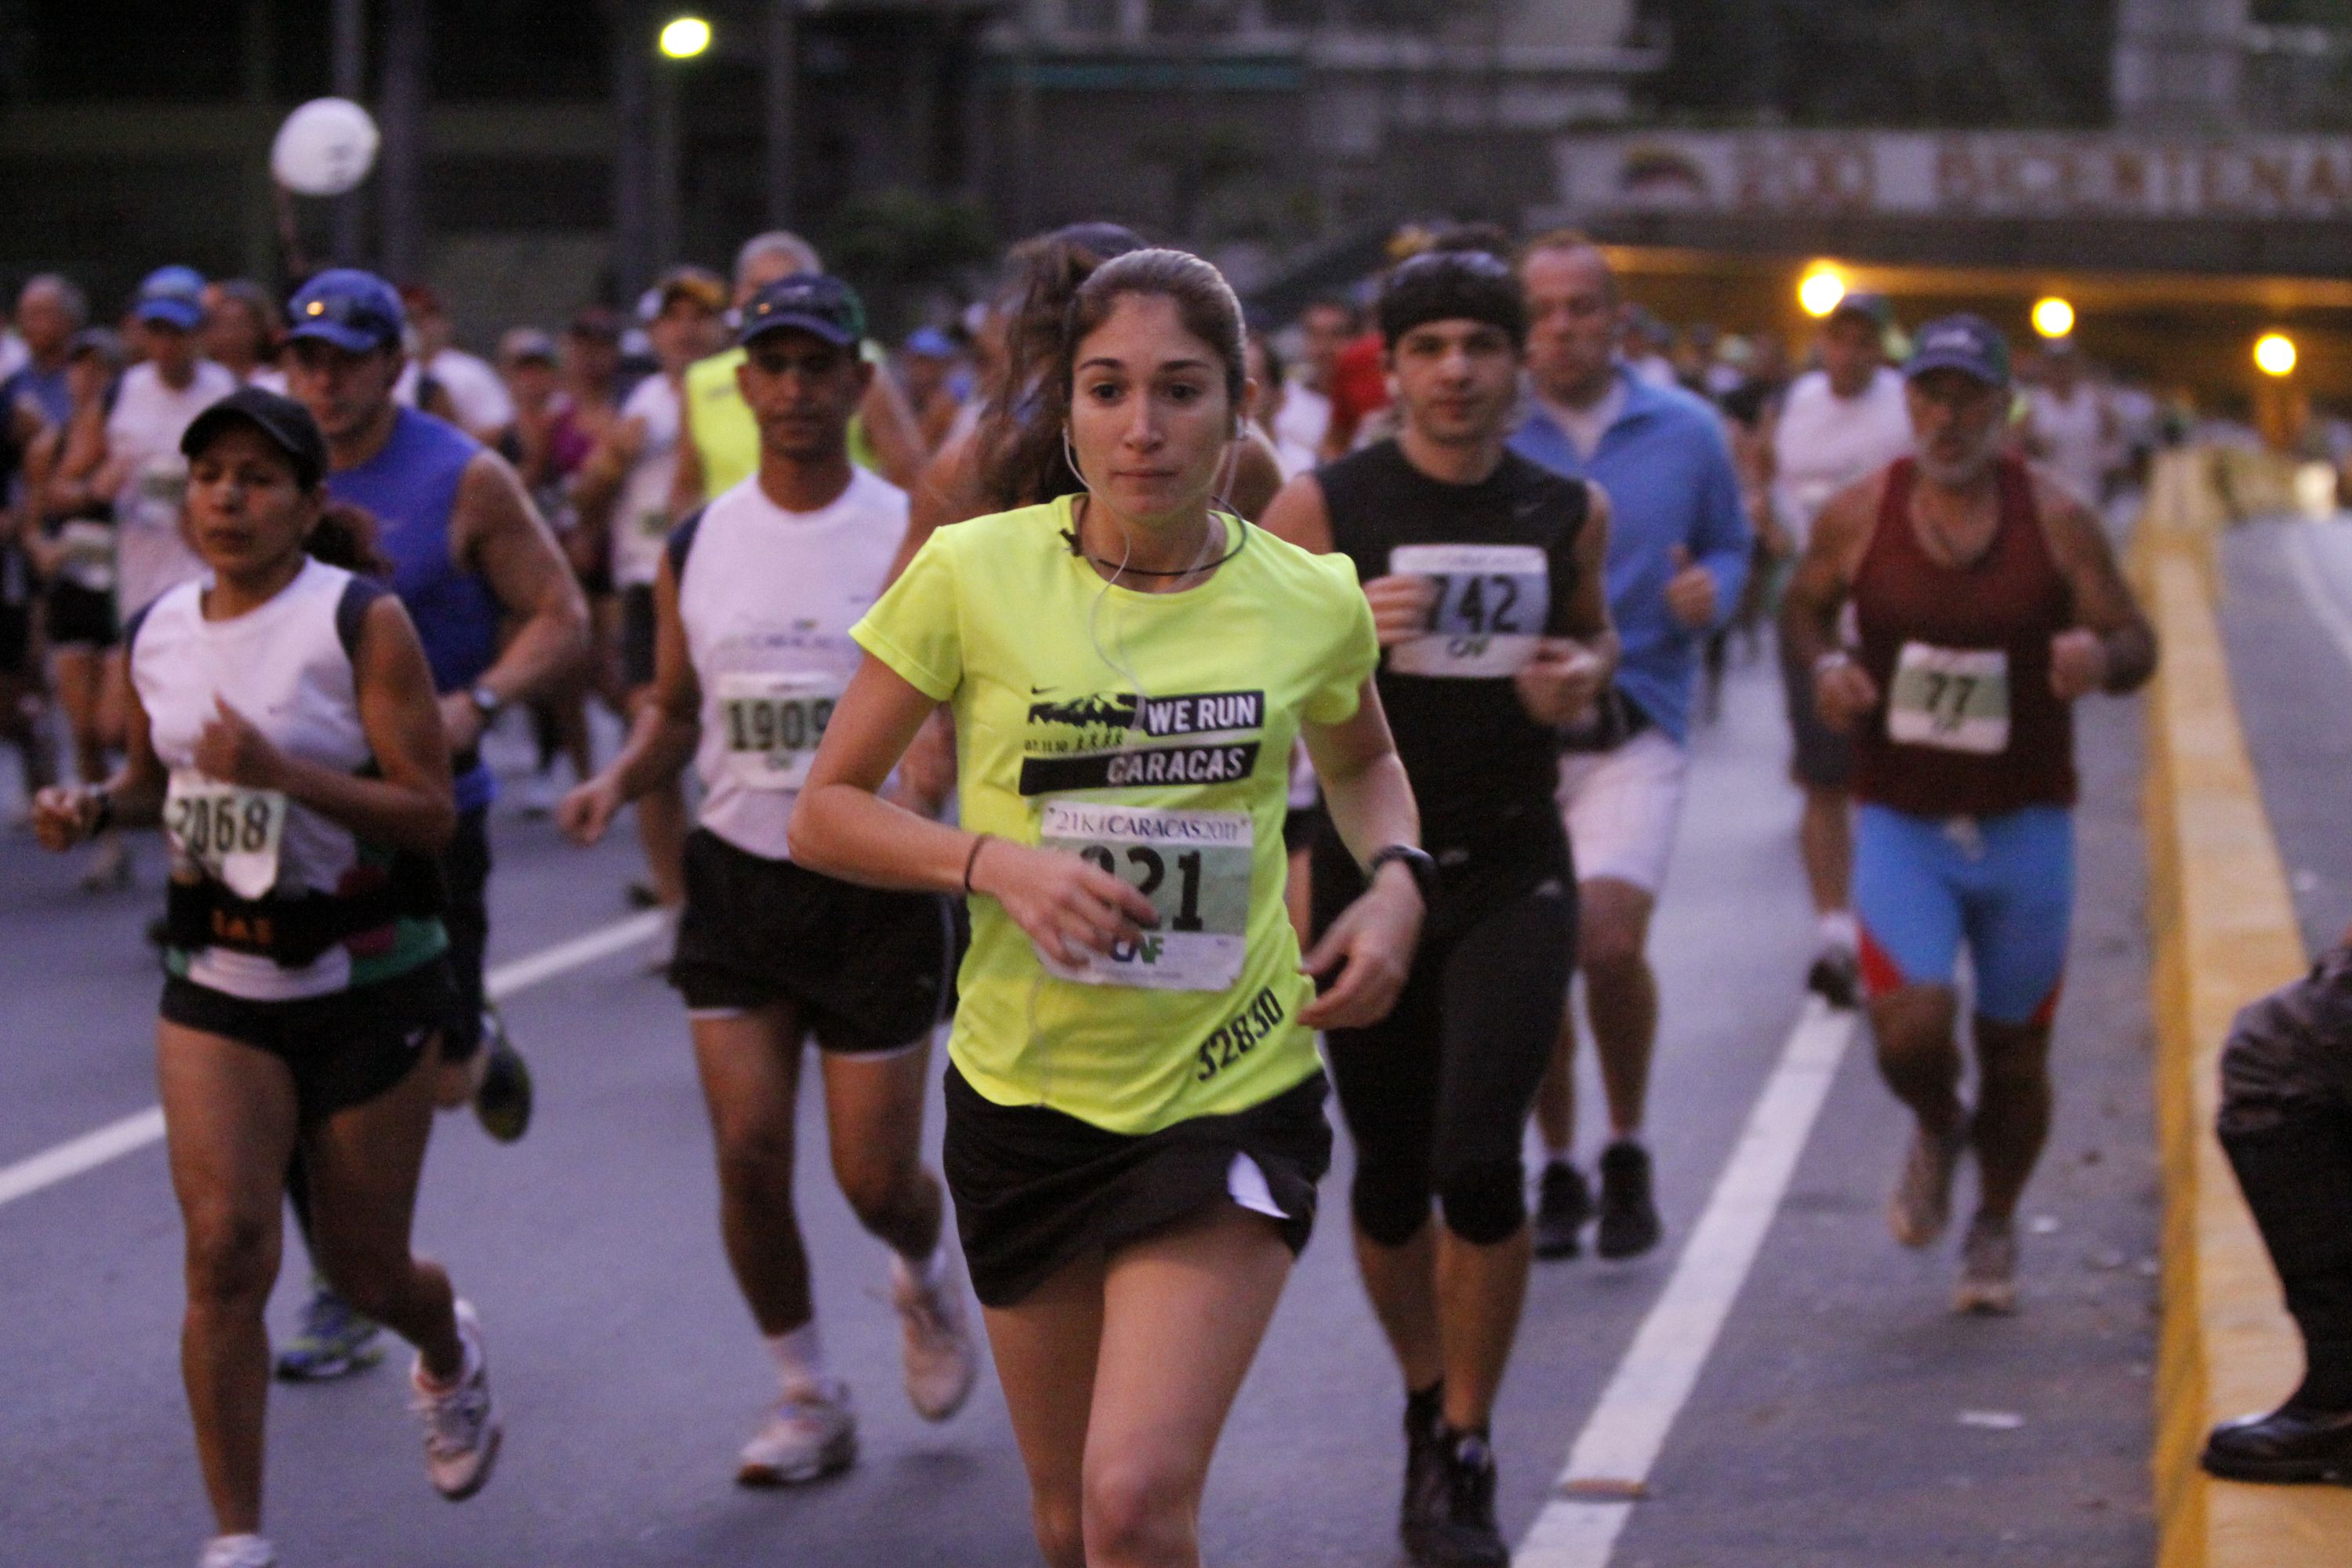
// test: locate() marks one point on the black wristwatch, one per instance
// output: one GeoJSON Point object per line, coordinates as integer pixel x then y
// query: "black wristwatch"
{"type": "Point", "coordinates": [1415, 859]}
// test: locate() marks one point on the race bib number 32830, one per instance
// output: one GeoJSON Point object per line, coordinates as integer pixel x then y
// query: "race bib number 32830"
{"type": "Point", "coordinates": [1194, 867]}
{"type": "Point", "coordinates": [1953, 700]}
{"type": "Point", "coordinates": [1491, 603]}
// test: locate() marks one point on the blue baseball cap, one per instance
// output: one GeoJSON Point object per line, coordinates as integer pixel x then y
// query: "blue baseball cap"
{"type": "Point", "coordinates": [806, 302]}
{"type": "Point", "coordinates": [1969, 344]}
{"type": "Point", "coordinates": [174, 296]}
{"type": "Point", "coordinates": [357, 312]}
{"type": "Point", "coordinates": [930, 343]}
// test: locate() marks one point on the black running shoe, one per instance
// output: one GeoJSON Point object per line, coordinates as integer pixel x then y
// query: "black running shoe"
{"type": "Point", "coordinates": [1466, 1535]}
{"type": "Point", "coordinates": [502, 1103]}
{"type": "Point", "coordinates": [1836, 978]}
{"type": "Point", "coordinates": [1425, 1475]}
{"type": "Point", "coordinates": [1563, 1209]}
{"type": "Point", "coordinates": [1629, 1214]}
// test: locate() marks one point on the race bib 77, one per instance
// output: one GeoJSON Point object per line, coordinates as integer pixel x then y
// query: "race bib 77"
{"type": "Point", "coordinates": [1953, 700]}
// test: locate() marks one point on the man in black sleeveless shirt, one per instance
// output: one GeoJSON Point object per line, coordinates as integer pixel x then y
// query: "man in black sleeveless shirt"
{"type": "Point", "coordinates": [1483, 574]}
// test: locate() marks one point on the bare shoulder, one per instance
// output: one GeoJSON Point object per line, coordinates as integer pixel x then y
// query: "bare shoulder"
{"type": "Point", "coordinates": [2068, 522]}
{"type": "Point", "coordinates": [1298, 515]}
{"type": "Point", "coordinates": [1841, 533]}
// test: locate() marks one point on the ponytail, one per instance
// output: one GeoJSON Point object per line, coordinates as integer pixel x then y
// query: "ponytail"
{"type": "Point", "coordinates": [345, 535]}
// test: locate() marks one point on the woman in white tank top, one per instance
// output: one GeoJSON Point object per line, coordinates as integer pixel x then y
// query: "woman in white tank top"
{"type": "Point", "coordinates": [282, 728]}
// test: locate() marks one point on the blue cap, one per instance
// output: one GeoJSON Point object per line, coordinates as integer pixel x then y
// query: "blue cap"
{"type": "Point", "coordinates": [930, 343]}
{"type": "Point", "coordinates": [806, 302]}
{"type": "Point", "coordinates": [174, 296]}
{"type": "Point", "coordinates": [357, 312]}
{"type": "Point", "coordinates": [1969, 344]}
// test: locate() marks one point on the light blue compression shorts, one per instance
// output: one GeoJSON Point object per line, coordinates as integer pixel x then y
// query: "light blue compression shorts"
{"type": "Point", "coordinates": [2005, 885]}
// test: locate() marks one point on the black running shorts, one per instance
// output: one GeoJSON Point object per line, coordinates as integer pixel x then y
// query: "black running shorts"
{"type": "Point", "coordinates": [869, 970]}
{"type": "Point", "coordinates": [344, 1048]}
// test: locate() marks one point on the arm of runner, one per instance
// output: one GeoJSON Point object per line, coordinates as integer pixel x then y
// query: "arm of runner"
{"type": "Point", "coordinates": [65, 814]}
{"type": "Point", "coordinates": [1569, 672]}
{"type": "Point", "coordinates": [410, 806]}
{"type": "Point", "coordinates": [686, 482]}
{"type": "Point", "coordinates": [1257, 475]}
{"type": "Point", "coordinates": [947, 491]}
{"type": "Point", "coordinates": [1712, 567]}
{"type": "Point", "coordinates": [498, 533]}
{"type": "Point", "coordinates": [662, 737]}
{"type": "Point", "coordinates": [1371, 803]}
{"type": "Point", "coordinates": [2111, 647]}
{"type": "Point", "coordinates": [1298, 515]}
{"type": "Point", "coordinates": [598, 483]}
{"type": "Point", "coordinates": [890, 426]}
{"type": "Point", "coordinates": [842, 827]}
{"type": "Point", "coordinates": [1844, 692]}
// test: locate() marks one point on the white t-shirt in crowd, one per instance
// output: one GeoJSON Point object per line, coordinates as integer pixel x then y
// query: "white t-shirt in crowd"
{"type": "Point", "coordinates": [767, 598]}
{"type": "Point", "coordinates": [1300, 427]}
{"type": "Point", "coordinates": [2073, 435]}
{"type": "Point", "coordinates": [144, 431]}
{"type": "Point", "coordinates": [641, 519]}
{"type": "Point", "coordinates": [1824, 442]}
{"type": "Point", "coordinates": [475, 390]}
{"type": "Point", "coordinates": [1585, 426]}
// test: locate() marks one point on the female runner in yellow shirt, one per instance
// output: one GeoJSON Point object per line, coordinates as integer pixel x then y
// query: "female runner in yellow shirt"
{"type": "Point", "coordinates": [1135, 1120]}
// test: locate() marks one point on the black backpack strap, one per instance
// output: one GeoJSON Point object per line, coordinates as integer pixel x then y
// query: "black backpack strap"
{"type": "Point", "coordinates": [681, 543]}
{"type": "Point", "coordinates": [351, 612]}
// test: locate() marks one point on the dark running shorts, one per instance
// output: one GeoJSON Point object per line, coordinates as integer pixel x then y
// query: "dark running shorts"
{"type": "Point", "coordinates": [636, 637]}
{"type": "Point", "coordinates": [81, 617]}
{"type": "Point", "coordinates": [869, 970]}
{"type": "Point", "coordinates": [1036, 1189]}
{"type": "Point", "coordinates": [343, 1049]}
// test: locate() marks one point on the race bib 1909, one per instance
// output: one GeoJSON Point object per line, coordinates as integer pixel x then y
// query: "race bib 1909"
{"type": "Point", "coordinates": [1194, 867]}
{"type": "Point", "coordinates": [773, 723]}
{"type": "Point", "coordinates": [1954, 700]}
{"type": "Point", "coordinates": [225, 831]}
{"type": "Point", "coordinates": [1491, 605]}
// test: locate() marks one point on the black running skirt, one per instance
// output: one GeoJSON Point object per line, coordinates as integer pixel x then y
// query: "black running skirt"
{"type": "Point", "coordinates": [1036, 1189]}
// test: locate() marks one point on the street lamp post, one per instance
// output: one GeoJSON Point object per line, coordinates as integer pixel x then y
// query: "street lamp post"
{"type": "Point", "coordinates": [780, 83]}
{"type": "Point", "coordinates": [348, 28]}
{"type": "Point", "coordinates": [681, 39]}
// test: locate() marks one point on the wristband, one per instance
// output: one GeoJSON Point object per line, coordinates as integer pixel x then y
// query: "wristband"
{"type": "Point", "coordinates": [1832, 659]}
{"type": "Point", "coordinates": [979, 842]}
{"type": "Point", "coordinates": [1413, 859]}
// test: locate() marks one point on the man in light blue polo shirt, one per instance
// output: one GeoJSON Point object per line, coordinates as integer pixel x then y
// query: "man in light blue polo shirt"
{"type": "Point", "coordinates": [1678, 550]}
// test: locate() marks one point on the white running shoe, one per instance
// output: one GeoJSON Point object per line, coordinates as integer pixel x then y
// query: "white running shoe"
{"type": "Point", "coordinates": [942, 1362]}
{"type": "Point", "coordinates": [1988, 1285]}
{"type": "Point", "coordinates": [811, 1436]}
{"type": "Point", "coordinates": [461, 1425]}
{"type": "Point", "coordinates": [238, 1551]}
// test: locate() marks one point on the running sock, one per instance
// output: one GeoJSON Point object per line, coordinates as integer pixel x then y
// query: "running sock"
{"type": "Point", "coordinates": [1421, 1406]}
{"type": "Point", "coordinates": [926, 1271]}
{"type": "Point", "coordinates": [800, 1359]}
{"type": "Point", "coordinates": [473, 1364]}
{"type": "Point", "coordinates": [1841, 930]}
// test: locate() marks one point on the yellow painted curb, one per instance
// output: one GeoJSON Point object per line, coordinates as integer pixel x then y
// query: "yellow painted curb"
{"type": "Point", "coordinates": [2225, 933]}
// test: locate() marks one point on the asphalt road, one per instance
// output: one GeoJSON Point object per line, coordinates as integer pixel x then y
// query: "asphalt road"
{"type": "Point", "coordinates": [1843, 1418]}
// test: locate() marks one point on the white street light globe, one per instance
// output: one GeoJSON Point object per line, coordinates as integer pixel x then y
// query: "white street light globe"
{"type": "Point", "coordinates": [1820, 290]}
{"type": "Point", "coordinates": [683, 38]}
{"type": "Point", "coordinates": [2275, 354]}
{"type": "Point", "coordinates": [325, 147]}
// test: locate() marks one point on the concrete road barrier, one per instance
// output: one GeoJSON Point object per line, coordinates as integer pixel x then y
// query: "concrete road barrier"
{"type": "Point", "coordinates": [2225, 933]}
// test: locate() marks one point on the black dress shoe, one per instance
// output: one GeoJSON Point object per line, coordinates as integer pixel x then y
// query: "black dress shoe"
{"type": "Point", "coordinates": [2292, 1443]}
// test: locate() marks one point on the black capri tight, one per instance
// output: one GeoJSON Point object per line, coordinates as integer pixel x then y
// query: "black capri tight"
{"type": "Point", "coordinates": [1436, 1096]}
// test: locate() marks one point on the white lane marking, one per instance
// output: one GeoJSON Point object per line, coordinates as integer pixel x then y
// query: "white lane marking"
{"type": "Point", "coordinates": [1609, 1463]}
{"type": "Point", "coordinates": [75, 1155]}
{"type": "Point", "coordinates": [2325, 605]}
{"type": "Point", "coordinates": [135, 1131]}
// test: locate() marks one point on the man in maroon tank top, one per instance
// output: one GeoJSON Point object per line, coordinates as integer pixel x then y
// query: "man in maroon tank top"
{"type": "Point", "coordinates": [1985, 602]}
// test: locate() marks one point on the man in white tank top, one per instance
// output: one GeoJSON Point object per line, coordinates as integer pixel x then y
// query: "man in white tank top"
{"type": "Point", "coordinates": [2068, 424]}
{"type": "Point", "coordinates": [1836, 423]}
{"type": "Point", "coordinates": [755, 596]}
{"type": "Point", "coordinates": [144, 472]}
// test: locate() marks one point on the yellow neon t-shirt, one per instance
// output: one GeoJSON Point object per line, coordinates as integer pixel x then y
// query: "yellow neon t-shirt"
{"type": "Point", "coordinates": [726, 436]}
{"type": "Point", "coordinates": [1179, 787]}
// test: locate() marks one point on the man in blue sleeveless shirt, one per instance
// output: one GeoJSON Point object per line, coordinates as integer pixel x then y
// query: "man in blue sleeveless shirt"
{"type": "Point", "coordinates": [471, 556]}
